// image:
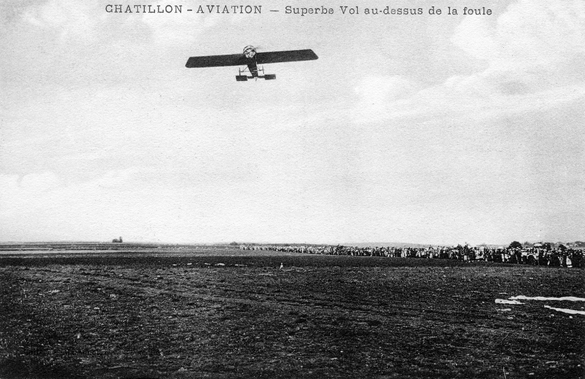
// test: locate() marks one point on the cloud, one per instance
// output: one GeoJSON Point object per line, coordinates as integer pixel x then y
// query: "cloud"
{"type": "Point", "coordinates": [474, 35]}
{"type": "Point", "coordinates": [26, 192]}
{"type": "Point", "coordinates": [532, 56]}
{"type": "Point", "coordinates": [528, 33]}
{"type": "Point", "coordinates": [39, 182]}
{"type": "Point", "coordinates": [71, 19]}
{"type": "Point", "coordinates": [171, 30]}
{"type": "Point", "coordinates": [179, 30]}
{"type": "Point", "coordinates": [534, 45]}
{"type": "Point", "coordinates": [376, 92]}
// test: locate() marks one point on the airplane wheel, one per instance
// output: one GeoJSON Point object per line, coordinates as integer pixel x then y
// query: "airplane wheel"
{"type": "Point", "coordinates": [270, 77]}
{"type": "Point", "coordinates": [241, 78]}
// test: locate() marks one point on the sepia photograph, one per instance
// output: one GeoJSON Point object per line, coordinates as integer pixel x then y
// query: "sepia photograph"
{"type": "Point", "coordinates": [367, 189]}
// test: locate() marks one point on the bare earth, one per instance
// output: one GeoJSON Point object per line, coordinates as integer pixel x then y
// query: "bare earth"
{"type": "Point", "coordinates": [224, 314]}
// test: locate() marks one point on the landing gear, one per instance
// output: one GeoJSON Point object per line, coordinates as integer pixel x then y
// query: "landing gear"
{"type": "Point", "coordinates": [242, 77]}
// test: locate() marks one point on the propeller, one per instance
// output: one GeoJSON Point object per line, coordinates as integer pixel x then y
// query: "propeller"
{"type": "Point", "coordinates": [249, 51]}
{"type": "Point", "coordinates": [252, 48]}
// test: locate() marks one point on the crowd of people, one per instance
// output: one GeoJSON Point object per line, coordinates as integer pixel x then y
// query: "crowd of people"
{"type": "Point", "coordinates": [541, 255]}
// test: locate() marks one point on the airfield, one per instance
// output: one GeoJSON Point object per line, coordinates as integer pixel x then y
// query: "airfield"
{"type": "Point", "coordinates": [146, 311]}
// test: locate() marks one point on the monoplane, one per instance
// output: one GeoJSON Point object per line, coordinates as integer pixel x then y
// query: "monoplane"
{"type": "Point", "coordinates": [252, 60]}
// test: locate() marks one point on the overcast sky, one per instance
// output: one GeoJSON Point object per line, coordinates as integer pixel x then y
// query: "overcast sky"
{"type": "Point", "coordinates": [424, 129]}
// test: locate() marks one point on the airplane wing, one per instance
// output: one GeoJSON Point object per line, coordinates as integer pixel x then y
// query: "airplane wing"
{"type": "Point", "coordinates": [285, 56]}
{"type": "Point", "coordinates": [217, 61]}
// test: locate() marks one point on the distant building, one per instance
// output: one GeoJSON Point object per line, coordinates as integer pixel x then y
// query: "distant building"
{"type": "Point", "coordinates": [117, 240]}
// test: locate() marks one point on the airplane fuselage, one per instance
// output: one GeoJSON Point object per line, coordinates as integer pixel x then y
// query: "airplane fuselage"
{"type": "Point", "coordinates": [250, 55]}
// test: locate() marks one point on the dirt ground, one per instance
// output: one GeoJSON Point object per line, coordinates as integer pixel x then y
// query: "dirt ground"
{"type": "Point", "coordinates": [227, 315]}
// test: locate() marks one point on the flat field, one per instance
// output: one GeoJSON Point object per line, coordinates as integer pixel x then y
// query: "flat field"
{"type": "Point", "coordinates": [223, 313]}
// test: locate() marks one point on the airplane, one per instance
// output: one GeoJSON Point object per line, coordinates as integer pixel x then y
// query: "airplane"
{"type": "Point", "coordinates": [251, 58]}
